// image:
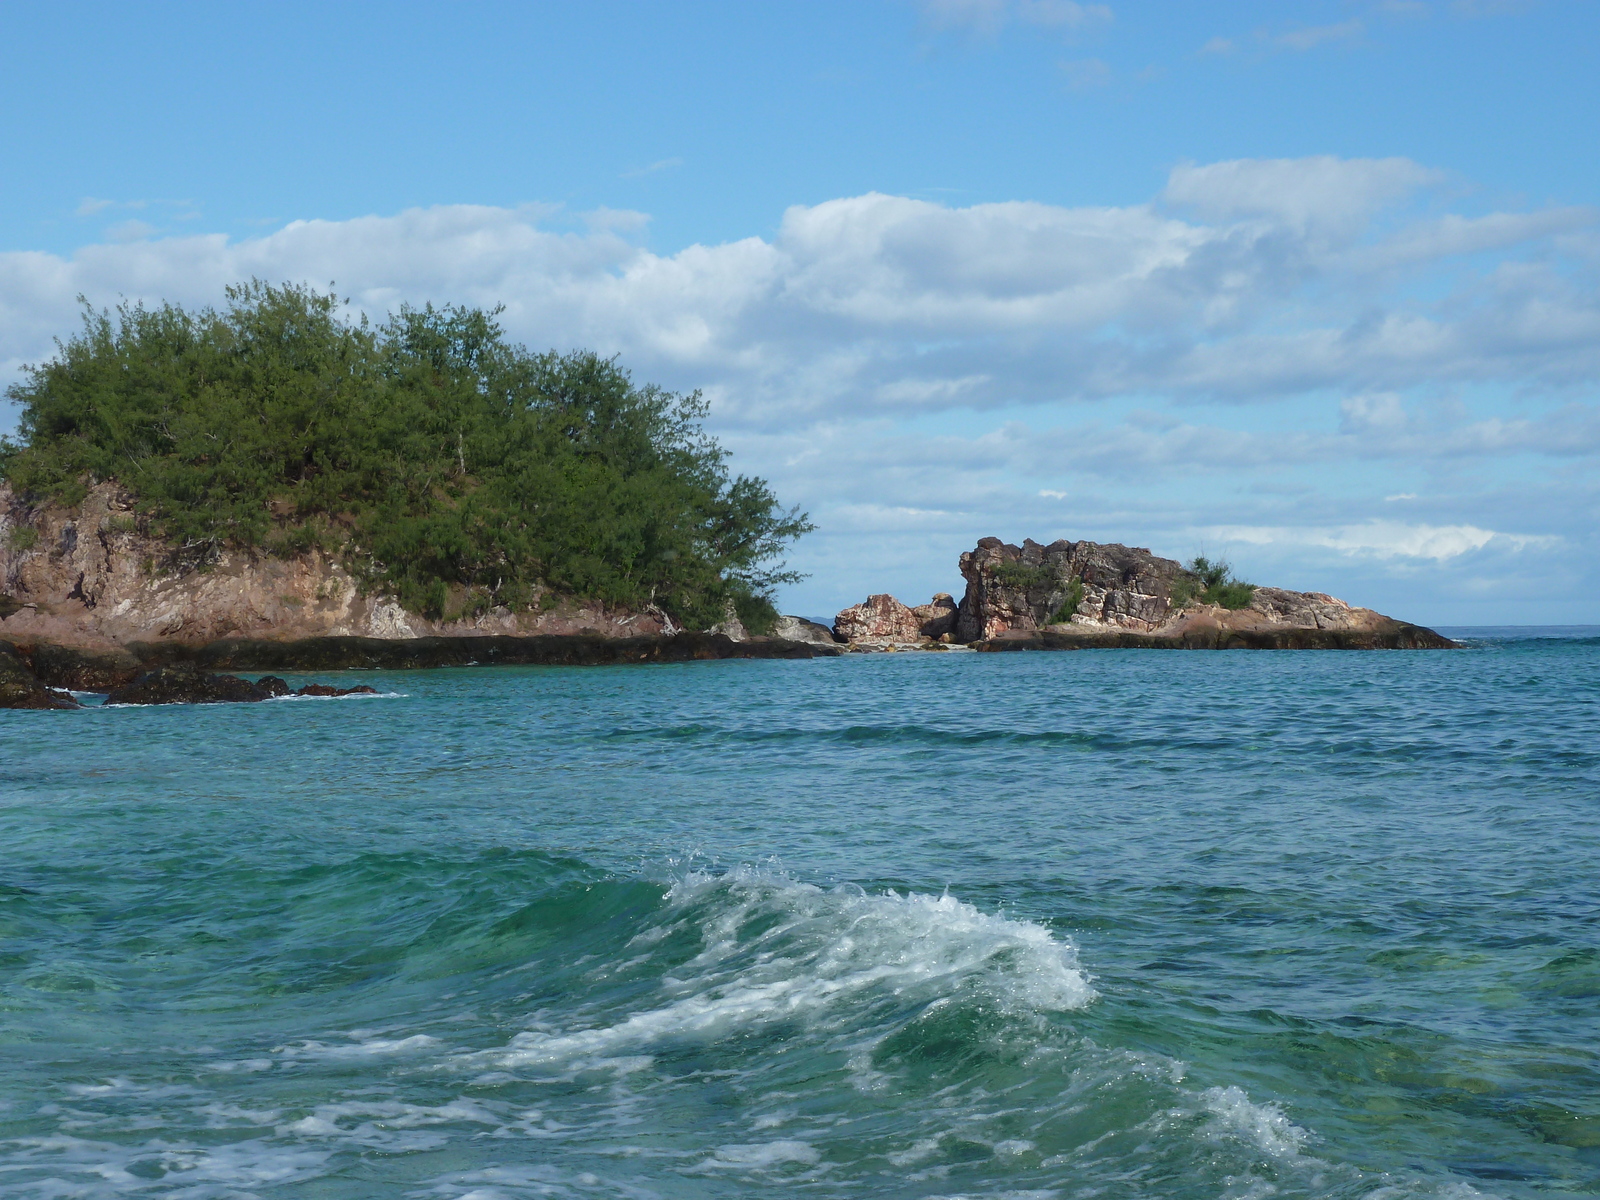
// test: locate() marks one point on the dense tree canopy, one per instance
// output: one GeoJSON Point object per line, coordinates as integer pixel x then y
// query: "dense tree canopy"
{"type": "Point", "coordinates": [444, 463]}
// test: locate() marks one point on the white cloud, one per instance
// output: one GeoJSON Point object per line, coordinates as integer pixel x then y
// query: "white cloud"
{"type": "Point", "coordinates": [1385, 539]}
{"type": "Point", "coordinates": [1311, 36]}
{"type": "Point", "coordinates": [854, 355]}
{"type": "Point", "coordinates": [990, 16]}
{"type": "Point", "coordinates": [1304, 193]}
{"type": "Point", "coordinates": [1269, 289]}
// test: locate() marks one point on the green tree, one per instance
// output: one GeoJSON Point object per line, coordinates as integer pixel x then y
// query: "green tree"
{"type": "Point", "coordinates": [441, 461]}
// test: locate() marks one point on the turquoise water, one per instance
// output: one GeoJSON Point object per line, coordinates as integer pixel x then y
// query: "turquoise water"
{"type": "Point", "coordinates": [1110, 923]}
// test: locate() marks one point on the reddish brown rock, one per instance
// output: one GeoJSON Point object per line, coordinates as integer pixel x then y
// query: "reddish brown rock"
{"type": "Point", "coordinates": [1092, 593]}
{"type": "Point", "coordinates": [96, 576]}
{"type": "Point", "coordinates": [880, 618]}
{"type": "Point", "coordinates": [883, 620]}
{"type": "Point", "coordinates": [937, 617]}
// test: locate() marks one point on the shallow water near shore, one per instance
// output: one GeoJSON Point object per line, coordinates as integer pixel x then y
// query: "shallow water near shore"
{"type": "Point", "coordinates": [1104, 923]}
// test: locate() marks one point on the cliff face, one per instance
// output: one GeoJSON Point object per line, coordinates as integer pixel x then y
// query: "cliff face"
{"type": "Point", "coordinates": [93, 575]}
{"type": "Point", "coordinates": [1122, 591]}
{"type": "Point", "coordinates": [1017, 588]}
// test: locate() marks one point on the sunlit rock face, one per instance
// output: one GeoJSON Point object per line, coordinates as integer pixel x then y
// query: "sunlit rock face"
{"type": "Point", "coordinates": [95, 574]}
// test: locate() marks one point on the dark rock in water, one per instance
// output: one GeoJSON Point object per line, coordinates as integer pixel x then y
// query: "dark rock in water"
{"type": "Point", "coordinates": [186, 685]}
{"type": "Point", "coordinates": [19, 688]}
{"type": "Point", "coordinates": [1396, 636]}
{"type": "Point", "coordinates": [83, 670]}
{"type": "Point", "coordinates": [322, 689]}
{"type": "Point", "coordinates": [409, 654]}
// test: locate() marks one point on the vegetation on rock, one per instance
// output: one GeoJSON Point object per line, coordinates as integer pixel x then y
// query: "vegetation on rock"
{"type": "Point", "coordinates": [441, 462]}
{"type": "Point", "coordinates": [1211, 583]}
{"type": "Point", "coordinates": [1069, 606]}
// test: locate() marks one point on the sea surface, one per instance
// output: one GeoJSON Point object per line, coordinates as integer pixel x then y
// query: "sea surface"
{"type": "Point", "coordinates": [1100, 924]}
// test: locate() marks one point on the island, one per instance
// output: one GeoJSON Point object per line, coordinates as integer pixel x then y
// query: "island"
{"type": "Point", "coordinates": [277, 486]}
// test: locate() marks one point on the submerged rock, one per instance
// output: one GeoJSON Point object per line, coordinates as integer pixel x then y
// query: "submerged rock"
{"type": "Point", "coordinates": [322, 689]}
{"type": "Point", "coordinates": [186, 685]}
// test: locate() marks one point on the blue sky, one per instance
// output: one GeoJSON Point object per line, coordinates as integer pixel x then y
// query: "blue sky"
{"type": "Point", "coordinates": [1311, 285]}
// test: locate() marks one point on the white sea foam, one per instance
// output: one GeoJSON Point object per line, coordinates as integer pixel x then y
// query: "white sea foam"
{"type": "Point", "coordinates": [367, 1047]}
{"type": "Point", "coordinates": [818, 949]}
{"type": "Point", "coordinates": [355, 696]}
{"type": "Point", "coordinates": [764, 1154]}
{"type": "Point", "coordinates": [1264, 1125]}
{"type": "Point", "coordinates": [63, 1166]}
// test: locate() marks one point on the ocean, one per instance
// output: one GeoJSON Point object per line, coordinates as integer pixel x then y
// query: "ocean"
{"type": "Point", "coordinates": [1112, 923]}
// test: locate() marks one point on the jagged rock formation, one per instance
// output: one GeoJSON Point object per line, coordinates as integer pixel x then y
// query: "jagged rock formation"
{"type": "Point", "coordinates": [1080, 593]}
{"type": "Point", "coordinates": [798, 629]}
{"type": "Point", "coordinates": [95, 576]}
{"type": "Point", "coordinates": [883, 620]}
{"type": "Point", "coordinates": [1072, 594]}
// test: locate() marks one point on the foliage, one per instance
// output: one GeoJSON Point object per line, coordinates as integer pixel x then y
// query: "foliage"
{"type": "Point", "coordinates": [22, 538]}
{"type": "Point", "coordinates": [1069, 606]}
{"type": "Point", "coordinates": [1211, 583]}
{"type": "Point", "coordinates": [1022, 577]}
{"type": "Point", "coordinates": [441, 461]}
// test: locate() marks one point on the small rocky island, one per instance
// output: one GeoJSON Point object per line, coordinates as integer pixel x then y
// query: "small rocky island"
{"type": "Point", "coordinates": [1072, 595]}
{"type": "Point", "coordinates": [88, 606]}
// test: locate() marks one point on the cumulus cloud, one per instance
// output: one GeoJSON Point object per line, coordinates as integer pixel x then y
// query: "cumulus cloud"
{"type": "Point", "coordinates": [1249, 280]}
{"type": "Point", "coordinates": [1344, 297]}
{"type": "Point", "coordinates": [1386, 539]}
{"type": "Point", "coordinates": [1322, 192]}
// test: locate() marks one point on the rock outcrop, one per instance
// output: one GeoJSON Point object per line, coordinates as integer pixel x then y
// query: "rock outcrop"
{"type": "Point", "coordinates": [1085, 593]}
{"type": "Point", "coordinates": [881, 620]}
{"type": "Point", "coordinates": [94, 575]}
{"type": "Point", "coordinates": [798, 629]}
{"type": "Point", "coordinates": [877, 619]}
{"type": "Point", "coordinates": [186, 685]}
{"type": "Point", "coordinates": [20, 688]}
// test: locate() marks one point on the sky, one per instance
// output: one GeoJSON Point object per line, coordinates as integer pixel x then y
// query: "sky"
{"type": "Point", "coordinates": [1310, 285]}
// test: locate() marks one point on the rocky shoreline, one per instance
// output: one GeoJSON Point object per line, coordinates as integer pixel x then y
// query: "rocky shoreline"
{"type": "Point", "coordinates": [44, 674]}
{"type": "Point", "coordinates": [91, 602]}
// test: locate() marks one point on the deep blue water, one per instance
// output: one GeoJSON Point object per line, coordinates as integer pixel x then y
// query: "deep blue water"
{"type": "Point", "coordinates": [1106, 923]}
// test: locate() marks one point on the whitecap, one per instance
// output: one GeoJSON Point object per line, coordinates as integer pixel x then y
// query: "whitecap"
{"type": "Point", "coordinates": [819, 949]}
